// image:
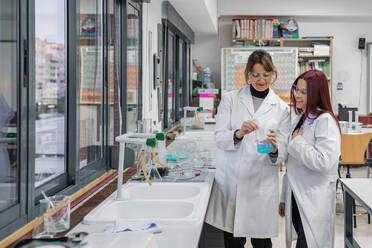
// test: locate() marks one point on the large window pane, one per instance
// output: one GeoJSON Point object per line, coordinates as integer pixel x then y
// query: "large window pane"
{"type": "Point", "coordinates": [170, 86]}
{"type": "Point", "coordinates": [8, 104]}
{"type": "Point", "coordinates": [133, 68]}
{"type": "Point", "coordinates": [50, 89]}
{"type": "Point", "coordinates": [113, 70]}
{"type": "Point", "coordinates": [91, 82]}
{"type": "Point", "coordinates": [180, 72]}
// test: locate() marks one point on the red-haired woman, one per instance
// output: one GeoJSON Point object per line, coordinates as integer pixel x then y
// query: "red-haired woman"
{"type": "Point", "coordinates": [309, 185]}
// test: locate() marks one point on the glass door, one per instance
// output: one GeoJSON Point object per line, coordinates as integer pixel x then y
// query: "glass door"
{"type": "Point", "coordinates": [50, 90]}
{"type": "Point", "coordinates": [91, 68]}
{"type": "Point", "coordinates": [13, 142]}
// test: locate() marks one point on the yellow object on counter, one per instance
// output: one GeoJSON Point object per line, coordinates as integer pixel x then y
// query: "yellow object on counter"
{"type": "Point", "coordinates": [156, 158]}
{"type": "Point", "coordinates": [144, 169]}
{"type": "Point", "coordinates": [196, 116]}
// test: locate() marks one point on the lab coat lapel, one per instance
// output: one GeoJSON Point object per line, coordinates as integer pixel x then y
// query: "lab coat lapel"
{"type": "Point", "coordinates": [267, 104]}
{"type": "Point", "coordinates": [294, 123]}
{"type": "Point", "coordinates": [245, 97]}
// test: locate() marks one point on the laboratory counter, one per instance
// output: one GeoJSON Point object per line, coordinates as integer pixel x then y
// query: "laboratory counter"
{"type": "Point", "coordinates": [173, 234]}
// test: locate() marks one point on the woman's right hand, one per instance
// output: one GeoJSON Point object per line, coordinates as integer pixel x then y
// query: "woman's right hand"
{"type": "Point", "coordinates": [247, 127]}
{"type": "Point", "coordinates": [282, 209]}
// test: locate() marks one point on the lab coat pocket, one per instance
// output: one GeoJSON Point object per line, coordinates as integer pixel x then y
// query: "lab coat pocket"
{"type": "Point", "coordinates": [268, 179]}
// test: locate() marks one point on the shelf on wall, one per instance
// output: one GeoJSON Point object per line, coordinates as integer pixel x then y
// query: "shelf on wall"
{"type": "Point", "coordinates": [314, 56]}
{"type": "Point", "coordinates": [285, 39]}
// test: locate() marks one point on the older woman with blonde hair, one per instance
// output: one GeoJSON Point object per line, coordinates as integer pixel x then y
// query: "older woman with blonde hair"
{"type": "Point", "coordinates": [245, 193]}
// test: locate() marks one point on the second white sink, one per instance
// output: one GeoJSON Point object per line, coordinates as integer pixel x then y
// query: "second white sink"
{"type": "Point", "coordinates": [160, 191]}
{"type": "Point", "coordinates": [146, 210]}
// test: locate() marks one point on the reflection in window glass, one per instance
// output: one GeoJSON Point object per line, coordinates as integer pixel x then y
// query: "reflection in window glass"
{"type": "Point", "coordinates": [8, 104]}
{"type": "Point", "coordinates": [91, 82]}
{"type": "Point", "coordinates": [180, 77]}
{"type": "Point", "coordinates": [132, 68]}
{"type": "Point", "coordinates": [113, 69]}
{"type": "Point", "coordinates": [50, 89]}
{"type": "Point", "coordinates": [170, 80]}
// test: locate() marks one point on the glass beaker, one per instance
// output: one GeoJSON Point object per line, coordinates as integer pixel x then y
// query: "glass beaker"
{"type": "Point", "coordinates": [56, 217]}
{"type": "Point", "coordinates": [263, 144]}
{"type": "Point", "coordinates": [147, 125]}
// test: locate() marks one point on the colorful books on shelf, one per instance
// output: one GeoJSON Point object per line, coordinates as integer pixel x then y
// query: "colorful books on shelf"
{"type": "Point", "coordinates": [254, 29]}
{"type": "Point", "coordinates": [322, 65]}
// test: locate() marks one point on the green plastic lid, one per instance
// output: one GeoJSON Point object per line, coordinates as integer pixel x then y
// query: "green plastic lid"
{"type": "Point", "coordinates": [130, 109]}
{"type": "Point", "coordinates": [151, 142]}
{"type": "Point", "coordinates": [200, 109]}
{"type": "Point", "coordinates": [160, 136]}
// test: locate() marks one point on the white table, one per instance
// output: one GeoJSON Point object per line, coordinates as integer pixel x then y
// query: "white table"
{"type": "Point", "coordinates": [360, 190]}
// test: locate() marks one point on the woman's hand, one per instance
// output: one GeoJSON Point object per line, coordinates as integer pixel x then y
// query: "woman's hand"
{"type": "Point", "coordinates": [297, 132]}
{"type": "Point", "coordinates": [272, 138]}
{"type": "Point", "coordinates": [247, 127]}
{"type": "Point", "coordinates": [282, 209]}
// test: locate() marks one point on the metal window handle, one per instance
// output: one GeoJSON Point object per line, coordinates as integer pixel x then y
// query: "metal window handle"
{"type": "Point", "coordinates": [25, 64]}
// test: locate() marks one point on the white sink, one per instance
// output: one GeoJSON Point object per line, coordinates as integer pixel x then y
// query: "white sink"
{"type": "Point", "coordinates": [160, 191]}
{"type": "Point", "coordinates": [117, 240]}
{"type": "Point", "coordinates": [161, 202]}
{"type": "Point", "coordinates": [146, 210]}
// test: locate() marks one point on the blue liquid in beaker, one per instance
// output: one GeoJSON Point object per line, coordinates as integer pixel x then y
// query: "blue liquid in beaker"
{"type": "Point", "coordinates": [264, 148]}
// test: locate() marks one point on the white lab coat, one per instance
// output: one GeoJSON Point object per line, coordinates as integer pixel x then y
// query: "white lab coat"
{"type": "Point", "coordinates": [311, 176]}
{"type": "Point", "coordinates": [244, 199]}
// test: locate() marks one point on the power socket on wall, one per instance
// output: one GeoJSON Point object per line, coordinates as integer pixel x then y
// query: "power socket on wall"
{"type": "Point", "coordinates": [362, 43]}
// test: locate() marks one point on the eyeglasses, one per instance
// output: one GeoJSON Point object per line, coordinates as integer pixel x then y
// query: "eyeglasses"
{"type": "Point", "coordinates": [265, 74]}
{"type": "Point", "coordinates": [297, 90]}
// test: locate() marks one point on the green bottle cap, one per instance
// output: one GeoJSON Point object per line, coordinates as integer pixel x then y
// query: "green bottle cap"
{"type": "Point", "coordinates": [200, 109]}
{"type": "Point", "coordinates": [151, 142]}
{"type": "Point", "coordinates": [160, 136]}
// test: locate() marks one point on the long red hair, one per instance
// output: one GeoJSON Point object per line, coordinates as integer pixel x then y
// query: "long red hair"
{"type": "Point", "coordinates": [318, 99]}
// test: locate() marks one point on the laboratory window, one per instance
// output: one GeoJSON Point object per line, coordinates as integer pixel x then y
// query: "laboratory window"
{"type": "Point", "coordinates": [61, 88]}
{"type": "Point", "coordinates": [176, 59]}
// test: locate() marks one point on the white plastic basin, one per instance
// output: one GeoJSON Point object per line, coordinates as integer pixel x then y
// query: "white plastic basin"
{"type": "Point", "coordinates": [145, 210]}
{"type": "Point", "coordinates": [117, 240]}
{"type": "Point", "coordinates": [161, 191]}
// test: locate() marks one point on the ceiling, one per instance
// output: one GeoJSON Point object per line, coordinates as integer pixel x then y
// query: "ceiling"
{"type": "Point", "coordinates": [200, 15]}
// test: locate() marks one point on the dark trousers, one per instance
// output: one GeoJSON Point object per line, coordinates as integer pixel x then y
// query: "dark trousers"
{"type": "Point", "coordinates": [297, 223]}
{"type": "Point", "coordinates": [238, 242]}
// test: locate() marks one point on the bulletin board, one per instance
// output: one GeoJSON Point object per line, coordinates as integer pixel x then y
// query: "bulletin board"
{"type": "Point", "coordinates": [234, 61]}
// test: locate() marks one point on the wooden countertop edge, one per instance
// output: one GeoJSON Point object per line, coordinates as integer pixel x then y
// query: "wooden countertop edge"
{"type": "Point", "coordinates": [15, 236]}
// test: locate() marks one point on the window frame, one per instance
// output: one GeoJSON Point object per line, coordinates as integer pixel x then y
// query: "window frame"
{"type": "Point", "coordinates": [75, 179]}
{"type": "Point", "coordinates": [16, 215]}
{"type": "Point", "coordinates": [167, 28]}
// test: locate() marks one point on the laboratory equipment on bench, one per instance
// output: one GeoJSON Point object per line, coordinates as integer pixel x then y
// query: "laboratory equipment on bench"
{"type": "Point", "coordinates": [195, 123]}
{"type": "Point", "coordinates": [147, 144]}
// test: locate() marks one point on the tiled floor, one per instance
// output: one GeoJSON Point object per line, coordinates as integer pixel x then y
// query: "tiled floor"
{"type": "Point", "coordinates": [362, 234]}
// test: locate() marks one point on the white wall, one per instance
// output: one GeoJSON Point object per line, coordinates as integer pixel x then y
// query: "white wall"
{"type": "Point", "coordinates": [295, 7]}
{"type": "Point", "coordinates": [151, 18]}
{"type": "Point", "coordinates": [206, 51]}
{"type": "Point", "coordinates": [348, 61]}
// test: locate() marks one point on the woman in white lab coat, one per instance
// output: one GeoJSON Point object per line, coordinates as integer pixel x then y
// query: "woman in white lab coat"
{"type": "Point", "coordinates": [309, 187]}
{"type": "Point", "coordinates": [245, 195]}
